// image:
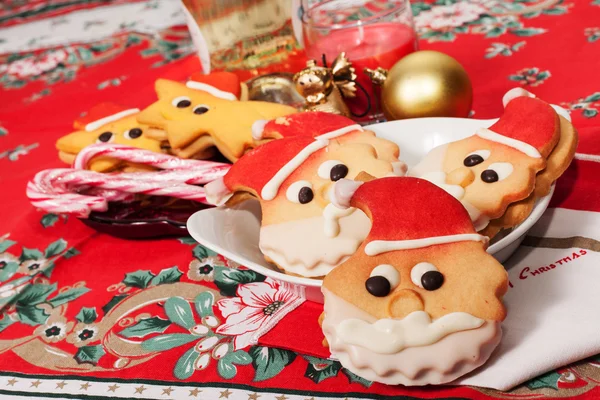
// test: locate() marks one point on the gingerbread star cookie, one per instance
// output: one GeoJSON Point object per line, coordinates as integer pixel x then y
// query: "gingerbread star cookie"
{"type": "Point", "coordinates": [499, 171]}
{"type": "Point", "coordinates": [206, 112]}
{"type": "Point", "coordinates": [108, 123]}
{"type": "Point", "coordinates": [301, 231]}
{"type": "Point", "coordinates": [420, 302]}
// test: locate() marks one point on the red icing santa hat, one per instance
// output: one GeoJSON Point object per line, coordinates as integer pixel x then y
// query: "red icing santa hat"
{"type": "Point", "coordinates": [311, 123]}
{"type": "Point", "coordinates": [224, 85]}
{"type": "Point", "coordinates": [528, 125]}
{"type": "Point", "coordinates": [406, 213]}
{"type": "Point", "coordinates": [264, 169]}
{"type": "Point", "coordinates": [101, 115]}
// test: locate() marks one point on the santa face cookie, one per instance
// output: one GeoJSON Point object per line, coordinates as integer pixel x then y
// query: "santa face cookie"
{"type": "Point", "coordinates": [301, 231]}
{"type": "Point", "coordinates": [205, 112]}
{"type": "Point", "coordinates": [499, 166]}
{"type": "Point", "coordinates": [420, 301]}
{"type": "Point", "coordinates": [107, 123]}
{"type": "Point", "coordinates": [316, 123]}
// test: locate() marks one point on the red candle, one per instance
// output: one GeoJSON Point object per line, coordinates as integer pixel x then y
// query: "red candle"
{"type": "Point", "coordinates": [369, 46]}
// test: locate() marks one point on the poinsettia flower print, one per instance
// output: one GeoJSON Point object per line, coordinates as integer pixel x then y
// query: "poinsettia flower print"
{"type": "Point", "coordinates": [257, 309]}
{"type": "Point", "coordinates": [454, 15]}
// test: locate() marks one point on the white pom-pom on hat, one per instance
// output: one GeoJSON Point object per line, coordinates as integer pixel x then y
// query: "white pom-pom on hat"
{"type": "Point", "coordinates": [258, 128]}
{"type": "Point", "coordinates": [217, 193]}
{"type": "Point", "coordinates": [514, 93]}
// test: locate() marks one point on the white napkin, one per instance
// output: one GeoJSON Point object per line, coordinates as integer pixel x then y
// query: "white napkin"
{"type": "Point", "coordinates": [553, 316]}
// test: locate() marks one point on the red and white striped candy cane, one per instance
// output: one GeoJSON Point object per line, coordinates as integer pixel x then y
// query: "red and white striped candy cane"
{"type": "Point", "coordinates": [59, 190]}
{"type": "Point", "coordinates": [80, 191]}
{"type": "Point", "coordinates": [139, 156]}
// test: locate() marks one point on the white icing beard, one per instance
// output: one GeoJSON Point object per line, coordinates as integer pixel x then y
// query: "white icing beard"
{"type": "Point", "coordinates": [312, 247]}
{"type": "Point", "coordinates": [430, 169]}
{"type": "Point", "coordinates": [411, 351]}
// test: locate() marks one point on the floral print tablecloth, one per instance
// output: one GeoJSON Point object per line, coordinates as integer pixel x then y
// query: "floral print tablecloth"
{"type": "Point", "coordinates": [86, 315]}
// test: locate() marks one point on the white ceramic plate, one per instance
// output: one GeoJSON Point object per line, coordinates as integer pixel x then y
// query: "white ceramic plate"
{"type": "Point", "coordinates": [233, 232]}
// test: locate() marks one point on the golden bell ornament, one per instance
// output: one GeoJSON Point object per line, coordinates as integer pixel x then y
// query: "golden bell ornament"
{"type": "Point", "coordinates": [424, 84]}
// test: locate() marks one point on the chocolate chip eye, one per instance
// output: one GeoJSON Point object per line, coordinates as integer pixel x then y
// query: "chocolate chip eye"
{"type": "Point", "coordinates": [333, 170]}
{"type": "Point", "coordinates": [338, 172]}
{"type": "Point", "coordinates": [105, 137]}
{"type": "Point", "coordinates": [201, 109]}
{"type": "Point", "coordinates": [476, 157]}
{"type": "Point", "coordinates": [378, 286]}
{"type": "Point", "coordinates": [489, 176]}
{"type": "Point", "coordinates": [305, 195]}
{"type": "Point", "coordinates": [181, 102]}
{"type": "Point", "coordinates": [432, 280]}
{"type": "Point", "coordinates": [425, 275]}
{"type": "Point", "coordinates": [300, 192]}
{"type": "Point", "coordinates": [473, 160]}
{"type": "Point", "coordinates": [497, 171]}
{"type": "Point", "coordinates": [133, 133]}
{"type": "Point", "coordinates": [387, 271]}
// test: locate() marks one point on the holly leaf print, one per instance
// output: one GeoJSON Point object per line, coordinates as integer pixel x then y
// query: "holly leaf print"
{"type": "Point", "coordinates": [495, 32]}
{"type": "Point", "coordinates": [5, 244]}
{"type": "Point", "coordinates": [527, 31]}
{"type": "Point", "coordinates": [168, 275]}
{"type": "Point", "coordinates": [145, 327]}
{"type": "Point", "coordinates": [201, 252]}
{"type": "Point", "coordinates": [548, 380]}
{"type": "Point", "coordinates": [89, 354]}
{"type": "Point", "coordinates": [187, 240]}
{"type": "Point", "coordinates": [35, 294]}
{"type": "Point", "coordinates": [558, 10]}
{"type": "Point", "coordinates": [55, 248]}
{"type": "Point", "coordinates": [72, 252]}
{"type": "Point", "coordinates": [67, 295]}
{"type": "Point", "coordinates": [30, 254]}
{"type": "Point", "coordinates": [590, 113]}
{"type": "Point", "coordinates": [419, 6]}
{"type": "Point", "coordinates": [592, 97]}
{"type": "Point", "coordinates": [113, 302]}
{"type": "Point", "coordinates": [228, 279]}
{"type": "Point", "coordinates": [518, 45]}
{"type": "Point", "coordinates": [319, 369]}
{"type": "Point", "coordinates": [31, 315]}
{"type": "Point", "coordinates": [87, 315]}
{"type": "Point", "coordinates": [352, 377]}
{"type": "Point", "coordinates": [269, 362]}
{"type": "Point", "coordinates": [543, 75]}
{"type": "Point", "coordinates": [8, 270]}
{"type": "Point", "coordinates": [49, 220]}
{"type": "Point", "coordinates": [47, 271]}
{"type": "Point", "coordinates": [139, 279]}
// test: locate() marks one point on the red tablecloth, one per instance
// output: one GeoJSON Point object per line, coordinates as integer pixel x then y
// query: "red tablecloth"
{"type": "Point", "coordinates": [105, 317]}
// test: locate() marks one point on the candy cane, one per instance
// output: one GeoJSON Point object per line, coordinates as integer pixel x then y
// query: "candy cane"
{"type": "Point", "coordinates": [58, 190]}
{"type": "Point", "coordinates": [139, 156]}
{"type": "Point", "coordinates": [79, 191]}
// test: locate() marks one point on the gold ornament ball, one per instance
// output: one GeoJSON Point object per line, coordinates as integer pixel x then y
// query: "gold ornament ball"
{"type": "Point", "coordinates": [426, 84]}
